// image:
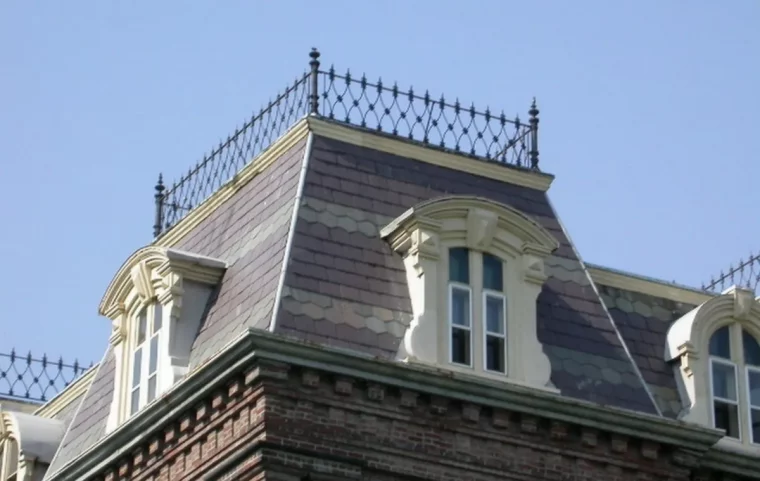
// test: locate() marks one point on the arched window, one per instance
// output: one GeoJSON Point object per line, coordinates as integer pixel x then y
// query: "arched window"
{"type": "Point", "coordinates": [735, 382]}
{"type": "Point", "coordinates": [474, 269]}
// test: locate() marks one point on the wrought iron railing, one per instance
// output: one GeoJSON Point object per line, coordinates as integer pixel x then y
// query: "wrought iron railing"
{"type": "Point", "coordinates": [388, 110]}
{"type": "Point", "coordinates": [35, 379]}
{"type": "Point", "coordinates": [745, 274]}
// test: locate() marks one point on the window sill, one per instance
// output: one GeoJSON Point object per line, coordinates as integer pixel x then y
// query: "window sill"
{"type": "Point", "coordinates": [485, 375]}
{"type": "Point", "coordinates": [736, 446]}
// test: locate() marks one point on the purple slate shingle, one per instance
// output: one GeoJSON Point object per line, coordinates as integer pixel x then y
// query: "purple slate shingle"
{"type": "Point", "coordinates": [88, 425]}
{"type": "Point", "coordinates": [351, 267]}
{"type": "Point", "coordinates": [249, 232]}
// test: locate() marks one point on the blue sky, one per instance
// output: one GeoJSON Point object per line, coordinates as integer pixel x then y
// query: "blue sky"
{"type": "Point", "coordinates": [650, 120]}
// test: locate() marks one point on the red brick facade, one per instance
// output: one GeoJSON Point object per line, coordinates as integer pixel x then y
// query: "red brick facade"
{"type": "Point", "coordinates": [280, 422]}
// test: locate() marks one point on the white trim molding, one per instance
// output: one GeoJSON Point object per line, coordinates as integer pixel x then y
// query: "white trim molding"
{"type": "Point", "coordinates": [688, 342]}
{"type": "Point", "coordinates": [424, 235]}
{"type": "Point", "coordinates": [160, 292]}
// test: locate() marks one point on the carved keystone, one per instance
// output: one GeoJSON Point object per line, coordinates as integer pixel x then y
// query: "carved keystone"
{"type": "Point", "coordinates": [471, 412]}
{"type": "Point", "coordinates": [376, 392]}
{"type": "Point", "coordinates": [618, 443]}
{"type": "Point", "coordinates": [589, 437]}
{"type": "Point", "coordinates": [310, 378]}
{"type": "Point", "coordinates": [344, 386]}
{"type": "Point", "coordinates": [408, 399]}
{"type": "Point", "coordinates": [649, 449]}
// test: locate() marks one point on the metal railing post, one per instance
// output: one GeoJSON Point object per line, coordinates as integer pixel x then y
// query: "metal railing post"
{"type": "Point", "coordinates": [159, 221]}
{"type": "Point", "coordinates": [314, 96]}
{"type": "Point", "coordinates": [533, 112]}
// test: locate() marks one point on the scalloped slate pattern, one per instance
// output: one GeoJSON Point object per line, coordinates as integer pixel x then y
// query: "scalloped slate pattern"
{"type": "Point", "coordinates": [351, 192]}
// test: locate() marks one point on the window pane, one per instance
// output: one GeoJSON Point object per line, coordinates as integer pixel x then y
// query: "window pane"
{"type": "Point", "coordinates": [754, 389]}
{"type": "Point", "coordinates": [751, 349]}
{"type": "Point", "coordinates": [460, 307]}
{"type": "Point", "coordinates": [151, 388]}
{"type": "Point", "coordinates": [494, 314]}
{"type": "Point", "coordinates": [720, 343]}
{"type": "Point", "coordinates": [724, 381]}
{"type": "Point", "coordinates": [493, 273]}
{"type": "Point", "coordinates": [460, 346]}
{"type": "Point", "coordinates": [135, 404]}
{"type": "Point", "coordinates": [459, 265]}
{"type": "Point", "coordinates": [727, 418]}
{"type": "Point", "coordinates": [153, 355]}
{"type": "Point", "coordinates": [142, 326]}
{"type": "Point", "coordinates": [755, 428]}
{"type": "Point", "coordinates": [136, 367]}
{"type": "Point", "coordinates": [158, 313]}
{"type": "Point", "coordinates": [495, 354]}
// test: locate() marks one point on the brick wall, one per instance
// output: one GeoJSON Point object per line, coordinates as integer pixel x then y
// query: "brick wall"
{"type": "Point", "coordinates": [280, 423]}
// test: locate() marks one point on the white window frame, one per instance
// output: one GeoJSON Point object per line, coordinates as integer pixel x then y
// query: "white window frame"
{"type": "Point", "coordinates": [147, 348]}
{"type": "Point", "coordinates": [486, 333]}
{"type": "Point", "coordinates": [469, 329]}
{"type": "Point", "coordinates": [726, 362]}
{"type": "Point", "coordinates": [750, 406]}
{"type": "Point", "coordinates": [478, 328]}
{"type": "Point", "coordinates": [737, 362]}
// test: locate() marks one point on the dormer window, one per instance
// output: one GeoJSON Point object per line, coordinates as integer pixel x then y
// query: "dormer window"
{"type": "Point", "coordinates": [155, 304]}
{"type": "Point", "coordinates": [735, 369]}
{"type": "Point", "coordinates": [146, 356]}
{"type": "Point", "coordinates": [718, 353]}
{"type": "Point", "coordinates": [474, 269]}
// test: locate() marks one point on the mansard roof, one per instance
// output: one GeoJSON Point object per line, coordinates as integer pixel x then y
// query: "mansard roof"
{"type": "Point", "coordinates": [301, 239]}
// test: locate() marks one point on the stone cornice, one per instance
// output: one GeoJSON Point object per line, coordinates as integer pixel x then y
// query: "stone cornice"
{"type": "Point", "coordinates": [260, 345]}
{"type": "Point", "coordinates": [412, 150]}
{"type": "Point", "coordinates": [645, 285]}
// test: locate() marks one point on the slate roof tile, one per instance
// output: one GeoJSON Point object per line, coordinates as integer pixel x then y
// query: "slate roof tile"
{"type": "Point", "coordinates": [351, 192]}
{"type": "Point", "coordinates": [89, 423]}
{"type": "Point", "coordinates": [643, 322]}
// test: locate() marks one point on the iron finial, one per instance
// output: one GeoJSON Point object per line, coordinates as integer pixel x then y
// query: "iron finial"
{"type": "Point", "coordinates": [533, 121]}
{"type": "Point", "coordinates": [314, 74]}
{"type": "Point", "coordinates": [159, 206]}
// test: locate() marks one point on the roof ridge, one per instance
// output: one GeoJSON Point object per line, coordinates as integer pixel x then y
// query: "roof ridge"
{"type": "Point", "coordinates": [636, 369]}
{"type": "Point", "coordinates": [50, 474]}
{"type": "Point", "coordinates": [291, 231]}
